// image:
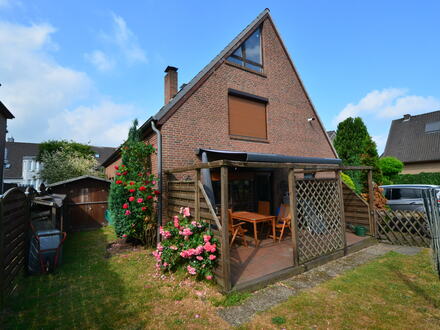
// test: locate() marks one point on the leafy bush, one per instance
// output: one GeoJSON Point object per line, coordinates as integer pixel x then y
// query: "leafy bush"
{"type": "Point", "coordinates": [52, 146]}
{"type": "Point", "coordinates": [133, 193]}
{"type": "Point", "coordinates": [278, 320]}
{"type": "Point", "coordinates": [187, 244]}
{"type": "Point", "coordinates": [348, 181]}
{"type": "Point", "coordinates": [390, 167]}
{"type": "Point", "coordinates": [421, 178]}
{"type": "Point", "coordinates": [355, 147]}
{"type": "Point", "coordinates": [64, 164]}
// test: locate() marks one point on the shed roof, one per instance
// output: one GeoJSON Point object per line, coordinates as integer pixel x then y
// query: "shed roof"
{"type": "Point", "coordinates": [408, 141]}
{"type": "Point", "coordinates": [78, 178]}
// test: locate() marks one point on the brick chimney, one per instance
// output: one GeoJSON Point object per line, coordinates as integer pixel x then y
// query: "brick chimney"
{"type": "Point", "coordinates": [170, 83]}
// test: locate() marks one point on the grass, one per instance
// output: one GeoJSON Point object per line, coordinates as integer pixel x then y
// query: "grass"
{"type": "Point", "coordinates": [90, 291]}
{"type": "Point", "coordinates": [392, 292]}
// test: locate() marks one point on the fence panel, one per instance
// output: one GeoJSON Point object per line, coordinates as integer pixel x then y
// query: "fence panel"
{"type": "Point", "coordinates": [14, 226]}
{"type": "Point", "coordinates": [320, 220]}
{"type": "Point", "coordinates": [403, 227]}
{"type": "Point", "coordinates": [356, 209]}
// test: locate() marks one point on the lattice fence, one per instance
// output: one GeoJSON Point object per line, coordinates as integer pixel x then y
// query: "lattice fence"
{"type": "Point", "coordinates": [319, 214]}
{"type": "Point", "coordinates": [403, 227]}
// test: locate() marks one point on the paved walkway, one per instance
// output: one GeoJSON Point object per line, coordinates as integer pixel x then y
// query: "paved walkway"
{"type": "Point", "coordinates": [273, 295]}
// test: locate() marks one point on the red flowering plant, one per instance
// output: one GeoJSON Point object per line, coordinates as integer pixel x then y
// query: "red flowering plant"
{"type": "Point", "coordinates": [133, 192]}
{"type": "Point", "coordinates": [188, 244]}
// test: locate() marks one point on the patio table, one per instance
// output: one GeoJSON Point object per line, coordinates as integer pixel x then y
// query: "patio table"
{"type": "Point", "coordinates": [255, 218]}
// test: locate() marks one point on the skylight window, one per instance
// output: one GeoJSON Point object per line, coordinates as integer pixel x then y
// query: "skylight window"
{"type": "Point", "coordinates": [432, 127]}
{"type": "Point", "coordinates": [248, 54]}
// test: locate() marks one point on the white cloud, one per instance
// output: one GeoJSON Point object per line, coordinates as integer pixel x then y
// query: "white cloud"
{"type": "Point", "coordinates": [106, 123]}
{"type": "Point", "coordinates": [100, 60]}
{"type": "Point", "coordinates": [45, 96]}
{"type": "Point", "coordinates": [388, 103]}
{"type": "Point", "coordinates": [126, 41]}
{"type": "Point", "coordinates": [381, 141]}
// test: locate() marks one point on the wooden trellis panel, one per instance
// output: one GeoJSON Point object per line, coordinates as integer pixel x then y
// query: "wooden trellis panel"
{"type": "Point", "coordinates": [403, 227]}
{"type": "Point", "coordinates": [319, 218]}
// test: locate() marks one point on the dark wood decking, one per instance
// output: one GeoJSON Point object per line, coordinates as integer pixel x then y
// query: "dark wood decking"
{"type": "Point", "coordinates": [250, 263]}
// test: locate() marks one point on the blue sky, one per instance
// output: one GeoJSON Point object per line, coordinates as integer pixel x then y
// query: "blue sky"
{"type": "Point", "coordinates": [83, 70]}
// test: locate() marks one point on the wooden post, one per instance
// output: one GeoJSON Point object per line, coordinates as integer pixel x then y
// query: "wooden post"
{"type": "Point", "coordinates": [341, 199]}
{"type": "Point", "coordinates": [197, 195]}
{"type": "Point", "coordinates": [371, 203]}
{"type": "Point", "coordinates": [226, 261]}
{"type": "Point", "coordinates": [292, 202]}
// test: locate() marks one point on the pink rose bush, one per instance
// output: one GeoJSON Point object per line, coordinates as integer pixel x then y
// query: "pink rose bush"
{"type": "Point", "coordinates": [187, 244]}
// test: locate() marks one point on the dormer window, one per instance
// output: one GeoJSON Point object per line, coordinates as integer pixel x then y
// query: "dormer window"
{"type": "Point", "coordinates": [248, 54]}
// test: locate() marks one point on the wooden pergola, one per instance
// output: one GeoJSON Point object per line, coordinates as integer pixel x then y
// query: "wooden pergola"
{"type": "Point", "coordinates": [193, 194]}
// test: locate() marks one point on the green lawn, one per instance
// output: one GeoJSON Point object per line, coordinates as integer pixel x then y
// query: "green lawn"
{"type": "Point", "coordinates": [92, 291]}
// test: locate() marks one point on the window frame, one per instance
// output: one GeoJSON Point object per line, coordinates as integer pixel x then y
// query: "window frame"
{"type": "Point", "coordinates": [250, 97]}
{"type": "Point", "coordinates": [243, 59]}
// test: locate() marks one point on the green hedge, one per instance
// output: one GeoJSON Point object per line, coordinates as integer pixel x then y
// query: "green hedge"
{"type": "Point", "coordinates": [421, 178]}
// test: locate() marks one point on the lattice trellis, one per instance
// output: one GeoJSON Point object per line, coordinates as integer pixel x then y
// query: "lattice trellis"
{"type": "Point", "coordinates": [403, 227]}
{"type": "Point", "coordinates": [319, 218]}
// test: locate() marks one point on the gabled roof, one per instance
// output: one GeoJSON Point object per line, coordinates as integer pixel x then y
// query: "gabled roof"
{"type": "Point", "coordinates": [331, 135]}
{"type": "Point", "coordinates": [5, 112]}
{"type": "Point", "coordinates": [77, 179]}
{"type": "Point", "coordinates": [408, 141]}
{"type": "Point", "coordinates": [168, 109]}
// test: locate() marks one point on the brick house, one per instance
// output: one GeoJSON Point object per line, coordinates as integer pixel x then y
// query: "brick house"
{"type": "Point", "coordinates": [248, 99]}
{"type": "Point", "coordinates": [415, 140]}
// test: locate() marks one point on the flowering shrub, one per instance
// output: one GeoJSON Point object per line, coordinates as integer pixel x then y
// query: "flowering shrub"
{"type": "Point", "coordinates": [189, 244]}
{"type": "Point", "coordinates": [133, 192]}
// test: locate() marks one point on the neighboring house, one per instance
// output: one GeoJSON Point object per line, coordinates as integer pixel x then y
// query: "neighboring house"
{"type": "Point", "coordinates": [331, 135]}
{"type": "Point", "coordinates": [415, 140]}
{"type": "Point", "coordinates": [22, 167]}
{"type": "Point", "coordinates": [5, 114]}
{"type": "Point", "coordinates": [249, 98]}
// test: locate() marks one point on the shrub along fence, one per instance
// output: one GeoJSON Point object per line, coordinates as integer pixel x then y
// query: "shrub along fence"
{"type": "Point", "coordinates": [421, 178]}
{"type": "Point", "coordinates": [14, 226]}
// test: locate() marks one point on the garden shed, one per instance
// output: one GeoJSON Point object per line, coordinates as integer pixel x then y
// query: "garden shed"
{"type": "Point", "coordinates": [86, 201]}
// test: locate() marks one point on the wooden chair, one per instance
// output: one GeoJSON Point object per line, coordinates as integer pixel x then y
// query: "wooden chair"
{"type": "Point", "coordinates": [236, 229]}
{"type": "Point", "coordinates": [264, 207]}
{"type": "Point", "coordinates": [284, 221]}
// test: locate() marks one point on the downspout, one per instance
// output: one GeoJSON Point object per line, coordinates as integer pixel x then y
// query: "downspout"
{"type": "Point", "coordinates": [159, 174]}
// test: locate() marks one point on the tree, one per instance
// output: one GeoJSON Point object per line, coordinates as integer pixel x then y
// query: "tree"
{"type": "Point", "coordinates": [52, 146]}
{"type": "Point", "coordinates": [355, 147]}
{"type": "Point", "coordinates": [133, 192]}
{"type": "Point", "coordinates": [390, 167]}
{"type": "Point", "coordinates": [64, 164]}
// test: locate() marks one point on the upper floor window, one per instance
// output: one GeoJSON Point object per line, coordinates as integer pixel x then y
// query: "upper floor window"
{"type": "Point", "coordinates": [247, 116]}
{"type": "Point", "coordinates": [432, 127]}
{"type": "Point", "coordinates": [248, 54]}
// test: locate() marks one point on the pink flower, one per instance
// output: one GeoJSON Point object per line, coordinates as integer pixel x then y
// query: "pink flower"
{"type": "Point", "coordinates": [206, 238]}
{"type": "Point", "coordinates": [124, 236]}
{"type": "Point", "coordinates": [140, 200]}
{"type": "Point", "coordinates": [209, 277]}
{"type": "Point", "coordinates": [173, 247]}
{"type": "Point", "coordinates": [153, 182]}
{"type": "Point", "coordinates": [186, 232]}
{"type": "Point", "coordinates": [176, 221]}
{"type": "Point", "coordinates": [159, 247]}
{"type": "Point", "coordinates": [125, 206]}
{"type": "Point", "coordinates": [165, 264]}
{"type": "Point", "coordinates": [191, 270]}
{"type": "Point", "coordinates": [131, 183]}
{"type": "Point", "coordinates": [210, 247]}
{"type": "Point", "coordinates": [199, 250]}
{"type": "Point", "coordinates": [131, 198]}
{"type": "Point", "coordinates": [181, 210]}
{"type": "Point", "coordinates": [118, 182]}
{"type": "Point", "coordinates": [165, 234]}
{"type": "Point", "coordinates": [200, 258]}
{"type": "Point", "coordinates": [116, 167]}
{"type": "Point", "coordinates": [157, 255]}
{"type": "Point", "coordinates": [127, 212]}
{"type": "Point", "coordinates": [212, 257]}
{"type": "Point", "coordinates": [184, 254]}
{"type": "Point", "coordinates": [142, 188]}
{"type": "Point", "coordinates": [186, 212]}
{"type": "Point", "coordinates": [132, 190]}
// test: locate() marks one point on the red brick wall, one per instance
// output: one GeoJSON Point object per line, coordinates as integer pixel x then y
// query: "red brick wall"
{"type": "Point", "coordinates": [202, 121]}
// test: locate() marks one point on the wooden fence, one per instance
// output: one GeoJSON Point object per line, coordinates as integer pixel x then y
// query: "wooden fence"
{"type": "Point", "coordinates": [403, 227]}
{"type": "Point", "coordinates": [14, 226]}
{"type": "Point", "coordinates": [356, 209]}
{"type": "Point", "coordinates": [188, 194]}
